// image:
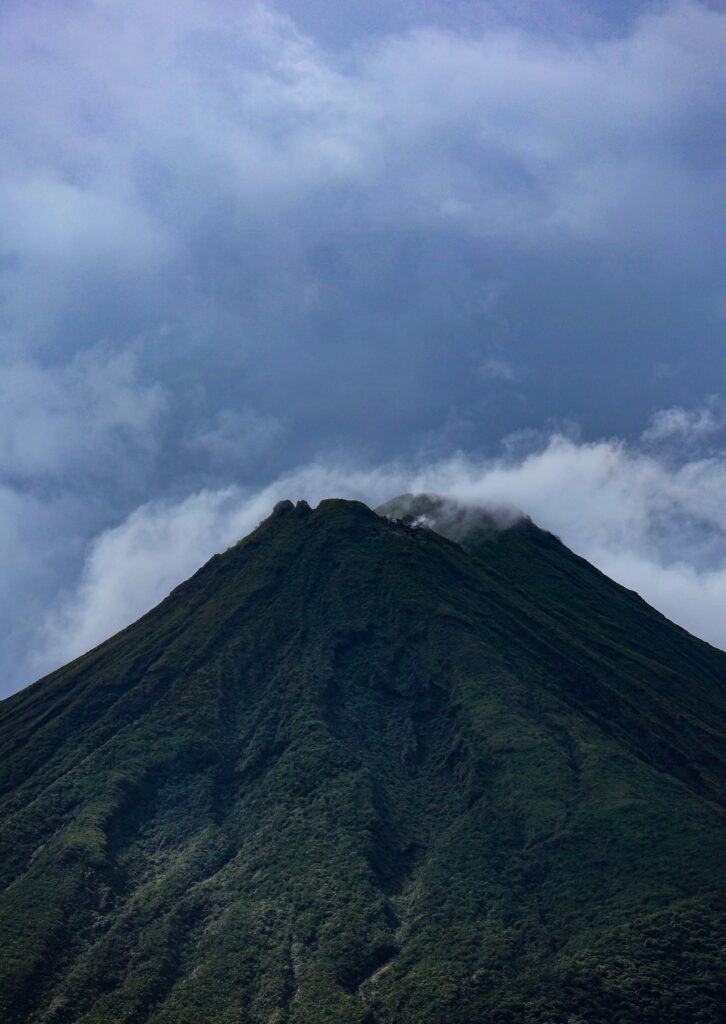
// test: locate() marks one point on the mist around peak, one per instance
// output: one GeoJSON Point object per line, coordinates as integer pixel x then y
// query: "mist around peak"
{"type": "Point", "coordinates": [466, 524]}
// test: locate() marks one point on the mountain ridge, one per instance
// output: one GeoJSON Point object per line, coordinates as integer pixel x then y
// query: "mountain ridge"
{"type": "Point", "coordinates": [351, 771]}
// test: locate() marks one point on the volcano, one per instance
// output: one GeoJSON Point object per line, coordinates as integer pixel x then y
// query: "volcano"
{"type": "Point", "coordinates": [425, 766]}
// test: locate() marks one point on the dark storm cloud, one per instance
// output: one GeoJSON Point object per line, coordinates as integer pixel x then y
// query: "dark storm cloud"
{"type": "Point", "coordinates": [237, 240]}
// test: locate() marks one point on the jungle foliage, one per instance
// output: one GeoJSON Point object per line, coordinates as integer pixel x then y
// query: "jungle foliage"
{"type": "Point", "coordinates": [352, 772]}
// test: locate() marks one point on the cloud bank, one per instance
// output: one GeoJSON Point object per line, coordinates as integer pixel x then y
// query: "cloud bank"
{"type": "Point", "coordinates": [656, 528]}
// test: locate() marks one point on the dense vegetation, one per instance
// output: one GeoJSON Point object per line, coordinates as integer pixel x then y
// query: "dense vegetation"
{"type": "Point", "coordinates": [354, 772]}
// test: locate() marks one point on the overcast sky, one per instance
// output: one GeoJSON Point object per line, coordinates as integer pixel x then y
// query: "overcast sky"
{"type": "Point", "coordinates": [306, 248]}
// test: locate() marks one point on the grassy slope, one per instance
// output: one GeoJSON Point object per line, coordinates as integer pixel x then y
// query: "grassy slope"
{"type": "Point", "coordinates": [350, 772]}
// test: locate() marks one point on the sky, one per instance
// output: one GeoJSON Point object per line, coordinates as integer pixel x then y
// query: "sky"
{"type": "Point", "coordinates": [303, 249]}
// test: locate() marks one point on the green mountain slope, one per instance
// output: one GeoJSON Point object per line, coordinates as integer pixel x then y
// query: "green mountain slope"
{"type": "Point", "coordinates": [354, 771]}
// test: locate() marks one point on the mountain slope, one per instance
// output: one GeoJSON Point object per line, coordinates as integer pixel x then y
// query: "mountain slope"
{"type": "Point", "coordinates": [353, 771]}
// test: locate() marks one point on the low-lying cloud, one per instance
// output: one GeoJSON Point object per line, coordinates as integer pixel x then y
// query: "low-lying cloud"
{"type": "Point", "coordinates": [655, 527]}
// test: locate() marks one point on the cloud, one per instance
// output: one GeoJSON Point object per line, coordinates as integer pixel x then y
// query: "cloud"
{"type": "Point", "coordinates": [687, 425]}
{"type": "Point", "coordinates": [234, 440]}
{"type": "Point", "coordinates": [86, 416]}
{"type": "Point", "coordinates": [656, 529]}
{"type": "Point", "coordinates": [218, 163]}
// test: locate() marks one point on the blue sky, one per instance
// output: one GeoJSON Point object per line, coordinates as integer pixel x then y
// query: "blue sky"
{"type": "Point", "coordinates": [342, 249]}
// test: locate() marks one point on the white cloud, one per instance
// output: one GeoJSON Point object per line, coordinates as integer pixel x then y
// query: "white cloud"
{"type": "Point", "coordinates": [656, 529]}
{"type": "Point", "coordinates": [687, 425]}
